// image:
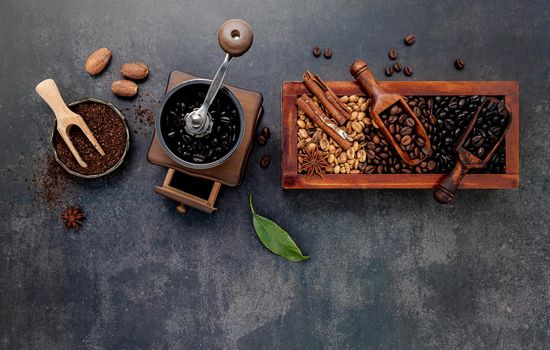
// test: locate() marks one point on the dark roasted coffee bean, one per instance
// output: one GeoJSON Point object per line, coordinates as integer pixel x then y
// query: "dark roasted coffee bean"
{"type": "Point", "coordinates": [371, 154]}
{"type": "Point", "coordinates": [265, 161]}
{"type": "Point", "coordinates": [389, 71]}
{"type": "Point", "coordinates": [410, 121]}
{"type": "Point", "coordinates": [266, 132]}
{"type": "Point", "coordinates": [328, 52]}
{"type": "Point", "coordinates": [406, 131]}
{"type": "Point", "coordinates": [477, 141]}
{"type": "Point", "coordinates": [449, 124]}
{"type": "Point", "coordinates": [261, 140]}
{"type": "Point", "coordinates": [198, 158]}
{"type": "Point", "coordinates": [409, 39]}
{"type": "Point", "coordinates": [392, 54]}
{"type": "Point", "coordinates": [501, 108]}
{"type": "Point", "coordinates": [316, 51]}
{"type": "Point", "coordinates": [459, 64]}
{"type": "Point", "coordinates": [480, 152]}
{"type": "Point", "coordinates": [406, 140]}
{"type": "Point", "coordinates": [397, 67]}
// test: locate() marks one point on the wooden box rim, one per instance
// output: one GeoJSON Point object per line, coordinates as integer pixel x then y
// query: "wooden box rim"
{"type": "Point", "coordinates": [291, 90]}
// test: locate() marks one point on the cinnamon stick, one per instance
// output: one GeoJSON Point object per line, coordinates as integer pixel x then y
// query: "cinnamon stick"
{"type": "Point", "coordinates": [324, 122]}
{"type": "Point", "coordinates": [327, 98]}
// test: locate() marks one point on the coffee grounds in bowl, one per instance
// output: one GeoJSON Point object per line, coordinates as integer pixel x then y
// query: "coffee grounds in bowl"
{"type": "Point", "coordinates": [109, 130]}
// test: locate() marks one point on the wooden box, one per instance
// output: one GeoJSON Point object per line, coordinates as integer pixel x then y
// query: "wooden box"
{"type": "Point", "coordinates": [292, 180]}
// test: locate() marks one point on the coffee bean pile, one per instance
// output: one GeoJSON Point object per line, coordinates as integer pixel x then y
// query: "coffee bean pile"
{"type": "Point", "coordinates": [490, 125]}
{"type": "Point", "coordinates": [211, 147]}
{"type": "Point", "coordinates": [453, 114]}
{"type": "Point", "coordinates": [403, 128]}
{"type": "Point", "coordinates": [443, 117]}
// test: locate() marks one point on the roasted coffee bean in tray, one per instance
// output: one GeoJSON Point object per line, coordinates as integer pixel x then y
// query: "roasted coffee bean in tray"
{"type": "Point", "coordinates": [489, 128]}
{"type": "Point", "coordinates": [443, 117]}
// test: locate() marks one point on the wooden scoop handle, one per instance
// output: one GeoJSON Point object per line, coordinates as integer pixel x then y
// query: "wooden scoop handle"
{"type": "Point", "coordinates": [235, 37]}
{"type": "Point", "coordinates": [361, 72]}
{"type": "Point", "coordinates": [445, 191]}
{"type": "Point", "coordinates": [49, 92]}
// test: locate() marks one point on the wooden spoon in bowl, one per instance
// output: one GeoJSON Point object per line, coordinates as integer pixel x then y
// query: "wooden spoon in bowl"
{"type": "Point", "coordinates": [66, 118]}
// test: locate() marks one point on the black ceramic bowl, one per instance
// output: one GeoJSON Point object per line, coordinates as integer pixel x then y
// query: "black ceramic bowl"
{"type": "Point", "coordinates": [199, 152]}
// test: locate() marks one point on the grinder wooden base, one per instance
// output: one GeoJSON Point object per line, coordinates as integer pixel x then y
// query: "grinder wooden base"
{"type": "Point", "coordinates": [229, 173]}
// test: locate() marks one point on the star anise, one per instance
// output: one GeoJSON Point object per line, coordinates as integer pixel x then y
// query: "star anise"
{"type": "Point", "coordinates": [72, 218]}
{"type": "Point", "coordinates": [313, 162]}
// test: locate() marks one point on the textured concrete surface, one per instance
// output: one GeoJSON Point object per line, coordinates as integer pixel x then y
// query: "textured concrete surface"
{"type": "Point", "coordinates": [389, 269]}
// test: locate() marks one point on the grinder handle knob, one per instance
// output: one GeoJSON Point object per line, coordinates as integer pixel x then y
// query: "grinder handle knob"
{"type": "Point", "coordinates": [235, 37]}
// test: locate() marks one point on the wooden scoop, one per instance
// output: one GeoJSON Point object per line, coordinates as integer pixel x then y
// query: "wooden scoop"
{"type": "Point", "coordinates": [66, 118]}
{"type": "Point", "coordinates": [445, 191]}
{"type": "Point", "coordinates": [383, 100]}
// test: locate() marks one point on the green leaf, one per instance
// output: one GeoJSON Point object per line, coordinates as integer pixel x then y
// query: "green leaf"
{"type": "Point", "coordinates": [275, 238]}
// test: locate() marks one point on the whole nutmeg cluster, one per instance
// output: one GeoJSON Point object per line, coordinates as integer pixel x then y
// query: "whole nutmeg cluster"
{"type": "Point", "coordinates": [98, 61]}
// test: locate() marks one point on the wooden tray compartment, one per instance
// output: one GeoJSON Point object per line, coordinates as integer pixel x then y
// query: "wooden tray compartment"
{"type": "Point", "coordinates": [292, 180]}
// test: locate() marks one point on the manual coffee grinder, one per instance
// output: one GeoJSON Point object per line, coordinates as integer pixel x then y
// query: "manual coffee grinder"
{"type": "Point", "coordinates": [204, 130]}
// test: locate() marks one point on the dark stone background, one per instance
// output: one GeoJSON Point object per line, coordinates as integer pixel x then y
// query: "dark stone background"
{"type": "Point", "coordinates": [390, 269]}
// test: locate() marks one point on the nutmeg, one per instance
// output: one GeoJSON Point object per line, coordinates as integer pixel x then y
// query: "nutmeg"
{"type": "Point", "coordinates": [124, 88]}
{"type": "Point", "coordinates": [134, 70]}
{"type": "Point", "coordinates": [98, 61]}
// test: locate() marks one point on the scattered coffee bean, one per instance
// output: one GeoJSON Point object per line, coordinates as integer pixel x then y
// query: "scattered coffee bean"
{"type": "Point", "coordinates": [408, 71]}
{"type": "Point", "coordinates": [459, 64]}
{"type": "Point", "coordinates": [316, 51]}
{"type": "Point", "coordinates": [261, 140]}
{"type": "Point", "coordinates": [328, 52]}
{"type": "Point", "coordinates": [397, 67]}
{"type": "Point", "coordinates": [389, 71]}
{"type": "Point", "coordinates": [392, 54]}
{"type": "Point", "coordinates": [265, 161]}
{"type": "Point", "coordinates": [409, 39]}
{"type": "Point", "coordinates": [266, 133]}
